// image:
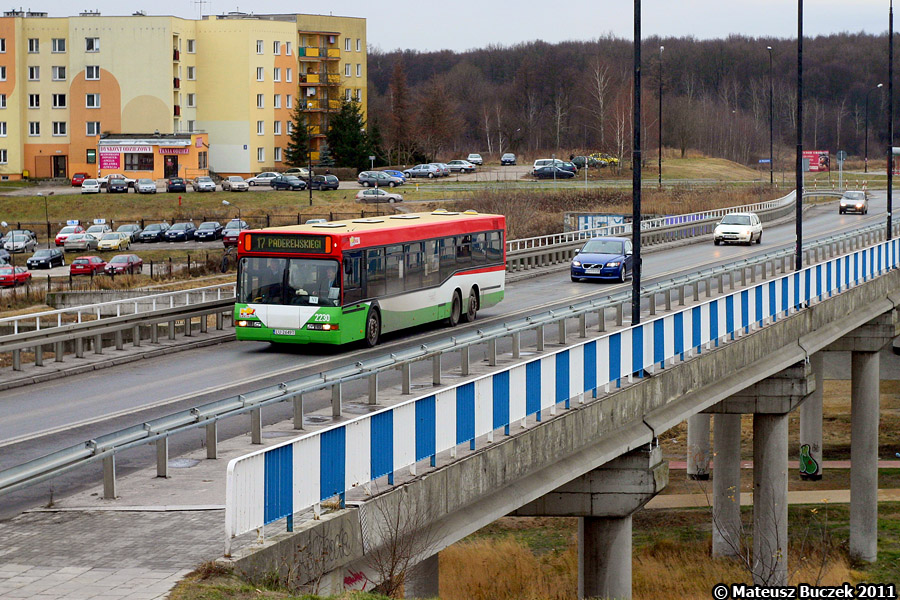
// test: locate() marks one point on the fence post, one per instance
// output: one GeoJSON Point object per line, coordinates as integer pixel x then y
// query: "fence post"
{"type": "Point", "coordinates": [336, 400]}
{"type": "Point", "coordinates": [256, 426]}
{"type": "Point", "coordinates": [109, 477]}
{"type": "Point", "coordinates": [516, 345]}
{"type": "Point", "coordinates": [212, 440]}
{"type": "Point", "coordinates": [298, 411]}
{"type": "Point", "coordinates": [406, 379]}
{"type": "Point", "coordinates": [162, 457]}
{"type": "Point", "coordinates": [435, 369]}
{"type": "Point", "coordinates": [464, 360]}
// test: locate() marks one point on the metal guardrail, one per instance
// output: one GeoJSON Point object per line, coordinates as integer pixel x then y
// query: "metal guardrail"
{"type": "Point", "coordinates": [207, 415]}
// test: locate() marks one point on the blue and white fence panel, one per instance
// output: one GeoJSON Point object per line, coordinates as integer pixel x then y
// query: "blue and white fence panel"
{"type": "Point", "coordinates": [299, 474]}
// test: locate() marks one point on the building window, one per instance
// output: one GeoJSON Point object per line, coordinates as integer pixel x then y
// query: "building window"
{"type": "Point", "coordinates": [260, 73]}
{"type": "Point", "coordinates": [277, 101]}
{"type": "Point", "coordinates": [202, 160]}
{"type": "Point", "coordinates": [277, 128]}
{"type": "Point", "coordinates": [277, 74]}
{"type": "Point", "coordinates": [59, 45]}
{"type": "Point", "coordinates": [34, 73]}
{"type": "Point", "coordinates": [358, 70]}
{"type": "Point", "coordinates": [260, 128]}
{"type": "Point", "coordinates": [359, 94]}
{"type": "Point", "coordinates": [289, 75]}
{"type": "Point", "coordinates": [191, 46]}
{"type": "Point", "coordinates": [2, 156]}
{"type": "Point", "coordinates": [92, 72]}
{"type": "Point", "coordinates": [34, 100]}
{"type": "Point", "coordinates": [34, 46]}
{"type": "Point", "coordinates": [276, 48]}
{"type": "Point", "coordinates": [260, 101]}
{"type": "Point", "coordinates": [289, 101]}
{"type": "Point", "coordinates": [260, 155]}
{"type": "Point", "coordinates": [93, 128]}
{"type": "Point", "coordinates": [2, 100]}
{"type": "Point", "coordinates": [59, 128]}
{"type": "Point", "coordinates": [190, 125]}
{"type": "Point", "coordinates": [34, 128]}
{"type": "Point", "coordinates": [2, 73]}
{"type": "Point", "coordinates": [138, 161]}
{"type": "Point", "coordinates": [92, 101]}
{"type": "Point", "coordinates": [92, 44]}
{"type": "Point", "coordinates": [346, 69]}
{"type": "Point", "coordinates": [358, 45]}
{"type": "Point", "coordinates": [348, 95]}
{"type": "Point", "coordinates": [2, 128]}
{"type": "Point", "coordinates": [3, 45]}
{"type": "Point", "coordinates": [287, 49]}
{"type": "Point", "coordinates": [59, 73]}
{"type": "Point", "coordinates": [259, 46]}
{"type": "Point", "coordinates": [91, 156]}
{"type": "Point", "coordinates": [290, 128]}
{"type": "Point", "coordinates": [192, 73]}
{"type": "Point", "coordinates": [191, 101]}
{"type": "Point", "coordinates": [347, 43]}
{"type": "Point", "coordinates": [59, 101]}
{"type": "Point", "coordinates": [277, 154]}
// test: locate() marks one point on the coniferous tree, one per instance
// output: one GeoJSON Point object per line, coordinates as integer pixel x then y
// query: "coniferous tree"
{"type": "Point", "coordinates": [347, 138]}
{"type": "Point", "coordinates": [297, 152]}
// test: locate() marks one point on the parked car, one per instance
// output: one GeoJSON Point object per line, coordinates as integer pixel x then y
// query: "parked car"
{"type": "Point", "coordinates": [78, 179]}
{"type": "Point", "coordinates": [46, 259]}
{"type": "Point", "coordinates": [378, 195]}
{"type": "Point", "coordinates": [145, 186]}
{"type": "Point", "coordinates": [11, 276]}
{"type": "Point", "coordinates": [569, 166]}
{"type": "Point", "coordinates": [263, 178]}
{"type": "Point", "coordinates": [124, 263]}
{"type": "Point", "coordinates": [4, 256]}
{"type": "Point", "coordinates": [116, 186]}
{"type": "Point", "coordinates": [429, 171]}
{"type": "Point", "coordinates": [87, 265]}
{"type": "Point", "coordinates": [553, 171]}
{"type": "Point", "coordinates": [104, 181]}
{"type": "Point", "coordinates": [396, 173]}
{"type": "Point", "coordinates": [65, 232]}
{"type": "Point", "coordinates": [232, 230]}
{"type": "Point", "coordinates": [114, 241]}
{"type": "Point", "coordinates": [854, 202]}
{"type": "Point", "coordinates": [20, 242]}
{"type": "Point", "coordinates": [98, 229]}
{"type": "Point", "coordinates": [544, 162]}
{"type": "Point", "coordinates": [6, 236]}
{"type": "Point", "coordinates": [180, 232]}
{"type": "Point", "coordinates": [475, 159]}
{"type": "Point", "coordinates": [153, 232]}
{"type": "Point", "coordinates": [90, 186]}
{"type": "Point", "coordinates": [176, 184]}
{"type": "Point", "coordinates": [444, 169]}
{"type": "Point", "coordinates": [740, 228]}
{"type": "Point", "coordinates": [508, 159]}
{"type": "Point", "coordinates": [324, 182]}
{"type": "Point", "coordinates": [209, 230]}
{"type": "Point", "coordinates": [133, 231]}
{"type": "Point", "coordinates": [81, 241]}
{"type": "Point", "coordinates": [378, 178]}
{"type": "Point", "coordinates": [234, 183]}
{"type": "Point", "coordinates": [203, 184]}
{"type": "Point", "coordinates": [603, 258]}
{"type": "Point", "coordinates": [301, 172]}
{"type": "Point", "coordinates": [288, 182]}
{"type": "Point", "coordinates": [461, 166]}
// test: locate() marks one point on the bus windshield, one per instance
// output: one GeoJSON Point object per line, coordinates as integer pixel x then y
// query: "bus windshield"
{"type": "Point", "coordinates": [289, 281]}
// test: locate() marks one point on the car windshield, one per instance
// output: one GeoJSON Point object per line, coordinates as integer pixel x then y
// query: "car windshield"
{"type": "Point", "coordinates": [95, 228]}
{"type": "Point", "coordinates": [153, 227]}
{"type": "Point", "coordinates": [603, 247]}
{"type": "Point", "coordinates": [19, 238]}
{"type": "Point", "coordinates": [235, 179]}
{"type": "Point", "coordinates": [81, 261]}
{"type": "Point", "coordinates": [67, 230]}
{"type": "Point", "coordinates": [178, 227]}
{"type": "Point", "coordinates": [75, 238]}
{"type": "Point", "coordinates": [855, 195]}
{"type": "Point", "coordinates": [204, 180]}
{"type": "Point", "coordinates": [145, 181]}
{"type": "Point", "coordinates": [208, 225]}
{"type": "Point", "coordinates": [89, 182]}
{"type": "Point", "coordinates": [127, 228]}
{"type": "Point", "coordinates": [42, 254]}
{"type": "Point", "coordinates": [290, 281]}
{"type": "Point", "coordinates": [6, 270]}
{"type": "Point", "coordinates": [111, 236]}
{"type": "Point", "coordinates": [119, 259]}
{"type": "Point", "coordinates": [736, 220]}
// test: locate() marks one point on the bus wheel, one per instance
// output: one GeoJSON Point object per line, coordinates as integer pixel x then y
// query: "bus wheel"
{"type": "Point", "coordinates": [469, 315]}
{"type": "Point", "coordinates": [373, 328]}
{"type": "Point", "coordinates": [455, 310]}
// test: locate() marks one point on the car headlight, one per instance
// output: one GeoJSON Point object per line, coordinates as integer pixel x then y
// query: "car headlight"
{"type": "Point", "coordinates": [843, 204]}
{"type": "Point", "coordinates": [576, 263]}
{"type": "Point", "coordinates": [615, 263]}
{"type": "Point", "coordinates": [859, 206]}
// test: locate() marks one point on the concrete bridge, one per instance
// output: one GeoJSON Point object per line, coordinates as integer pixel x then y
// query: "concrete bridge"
{"type": "Point", "coordinates": [579, 426]}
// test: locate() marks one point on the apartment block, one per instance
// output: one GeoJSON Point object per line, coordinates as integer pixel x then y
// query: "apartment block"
{"type": "Point", "coordinates": [68, 82]}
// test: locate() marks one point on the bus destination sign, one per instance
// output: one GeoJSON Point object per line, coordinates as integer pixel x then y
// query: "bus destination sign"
{"type": "Point", "coordinates": [289, 244]}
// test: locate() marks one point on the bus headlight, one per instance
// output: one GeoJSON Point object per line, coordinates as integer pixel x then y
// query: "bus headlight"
{"type": "Point", "coordinates": [249, 323]}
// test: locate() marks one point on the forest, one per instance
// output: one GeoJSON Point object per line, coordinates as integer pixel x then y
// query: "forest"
{"type": "Point", "coordinates": [576, 97]}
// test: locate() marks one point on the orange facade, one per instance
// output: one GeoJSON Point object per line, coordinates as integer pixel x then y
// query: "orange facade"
{"type": "Point", "coordinates": [153, 156]}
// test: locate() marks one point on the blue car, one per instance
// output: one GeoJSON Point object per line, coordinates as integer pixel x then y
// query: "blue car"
{"type": "Point", "coordinates": [603, 258]}
{"type": "Point", "coordinates": [396, 174]}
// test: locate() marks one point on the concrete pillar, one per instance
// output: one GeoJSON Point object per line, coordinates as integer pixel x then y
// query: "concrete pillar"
{"type": "Point", "coordinates": [421, 580]}
{"type": "Point", "coordinates": [604, 557]}
{"type": "Point", "coordinates": [770, 509]}
{"type": "Point", "coordinates": [864, 413]}
{"type": "Point", "coordinates": [726, 533]}
{"type": "Point", "coordinates": [698, 446]}
{"type": "Point", "coordinates": [811, 424]}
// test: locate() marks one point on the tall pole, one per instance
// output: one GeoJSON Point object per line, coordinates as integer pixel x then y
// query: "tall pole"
{"type": "Point", "coordinates": [309, 174]}
{"type": "Point", "coordinates": [867, 124]}
{"type": "Point", "coordinates": [890, 150]}
{"type": "Point", "coordinates": [798, 259]}
{"type": "Point", "coordinates": [636, 173]}
{"type": "Point", "coordinates": [661, 48]}
{"type": "Point", "coordinates": [771, 122]}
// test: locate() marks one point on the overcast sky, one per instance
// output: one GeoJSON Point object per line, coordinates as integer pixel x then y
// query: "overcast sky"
{"type": "Point", "coordinates": [461, 25]}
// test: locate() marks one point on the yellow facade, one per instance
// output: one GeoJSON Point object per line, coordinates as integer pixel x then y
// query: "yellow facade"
{"type": "Point", "coordinates": [234, 77]}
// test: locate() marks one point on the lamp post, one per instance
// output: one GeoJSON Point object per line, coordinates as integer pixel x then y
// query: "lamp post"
{"type": "Point", "coordinates": [880, 85]}
{"type": "Point", "coordinates": [659, 135]}
{"type": "Point", "coordinates": [798, 201]}
{"type": "Point", "coordinates": [636, 173]}
{"type": "Point", "coordinates": [227, 203]}
{"type": "Point", "coordinates": [771, 121]}
{"type": "Point", "coordinates": [890, 150]}
{"type": "Point", "coordinates": [46, 217]}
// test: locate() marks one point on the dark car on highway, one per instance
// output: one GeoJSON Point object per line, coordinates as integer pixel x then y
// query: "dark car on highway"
{"type": "Point", "coordinates": [180, 232]}
{"type": "Point", "coordinates": [209, 231]}
{"type": "Point", "coordinates": [288, 182]}
{"type": "Point", "coordinates": [324, 182]}
{"type": "Point", "coordinates": [549, 171]}
{"type": "Point", "coordinates": [153, 232]}
{"type": "Point", "coordinates": [176, 184]}
{"type": "Point", "coordinates": [46, 259]}
{"type": "Point", "coordinates": [117, 186]}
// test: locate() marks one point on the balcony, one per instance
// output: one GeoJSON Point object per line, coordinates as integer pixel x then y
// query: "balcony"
{"type": "Point", "coordinates": [318, 53]}
{"type": "Point", "coordinates": [176, 83]}
{"type": "Point", "coordinates": [319, 105]}
{"type": "Point", "coordinates": [177, 110]}
{"type": "Point", "coordinates": [176, 55]}
{"type": "Point", "coordinates": [320, 78]}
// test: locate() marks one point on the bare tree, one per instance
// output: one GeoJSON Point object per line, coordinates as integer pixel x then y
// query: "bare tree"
{"type": "Point", "coordinates": [599, 88]}
{"type": "Point", "coordinates": [486, 113]}
{"type": "Point", "coordinates": [560, 113]}
{"type": "Point", "coordinates": [399, 131]}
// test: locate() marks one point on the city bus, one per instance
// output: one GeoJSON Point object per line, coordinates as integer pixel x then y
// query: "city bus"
{"type": "Point", "coordinates": [343, 281]}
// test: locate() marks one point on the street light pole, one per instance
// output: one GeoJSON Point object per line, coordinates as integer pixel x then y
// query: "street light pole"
{"type": "Point", "coordinates": [771, 121]}
{"type": "Point", "coordinates": [659, 135]}
{"type": "Point", "coordinates": [798, 259]}
{"type": "Point", "coordinates": [636, 173]}
{"type": "Point", "coordinates": [309, 173]}
{"type": "Point", "coordinates": [867, 124]}
{"type": "Point", "coordinates": [890, 150]}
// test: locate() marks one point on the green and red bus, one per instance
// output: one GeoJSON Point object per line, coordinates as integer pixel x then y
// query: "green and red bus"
{"type": "Point", "coordinates": [344, 281]}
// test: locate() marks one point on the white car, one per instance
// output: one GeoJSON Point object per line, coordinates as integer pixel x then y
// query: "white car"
{"type": "Point", "coordinates": [105, 179]}
{"type": "Point", "coordinates": [235, 184]}
{"type": "Point", "coordinates": [462, 166]}
{"type": "Point", "coordinates": [145, 186]}
{"type": "Point", "coordinates": [475, 159]}
{"type": "Point", "coordinates": [263, 178]}
{"type": "Point", "coordinates": [854, 202]}
{"type": "Point", "coordinates": [738, 228]}
{"type": "Point", "coordinates": [98, 230]}
{"type": "Point", "coordinates": [90, 186]}
{"type": "Point", "coordinates": [377, 195]}
{"type": "Point", "coordinates": [19, 242]}
{"type": "Point", "coordinates": [204, 184]}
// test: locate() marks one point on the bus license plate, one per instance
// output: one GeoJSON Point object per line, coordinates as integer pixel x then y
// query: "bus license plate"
{"type": "Point", "coordinates": [283, 331]}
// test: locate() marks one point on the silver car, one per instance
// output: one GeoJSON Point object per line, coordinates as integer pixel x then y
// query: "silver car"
{"type": "Point", "coordinates": [20, 242]}
{"type": "Point", "coordinates": [235, 184]}
{"type": "Point", "coordinates": [145, 186]}
{"type": "Point", "coordinates": [204, 184]}
{"type": "Point", "coordinates": [81, 241]}
{"type": "Point", "coordinates": [856, 202]}
{"type": "Point", "coordinates": [264, 178]}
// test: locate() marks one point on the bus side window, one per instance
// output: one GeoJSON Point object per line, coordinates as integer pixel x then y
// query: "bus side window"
{"type": "Point", "coordinates": [353, 290]}
{"type": "Point", "coordinates": [432, 275]}
{"type": "Point", "coordinates": [448, 257]}
{"type": "Point", "coordinates": [375, 273]}
{"type": "Point", "coordinates": [479, 251]}
{"type": "Point", "coordinates": [495, 247]}
{"type": "Point", "coordinates": [415, 261]}
{"type": "Point", "coordinates": [393, 269]}
{"type": "Point", "coordinates": [464, 249]}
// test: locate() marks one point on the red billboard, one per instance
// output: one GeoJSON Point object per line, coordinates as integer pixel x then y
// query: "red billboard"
{"type": "Point", "coordinates": [819, 160]}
